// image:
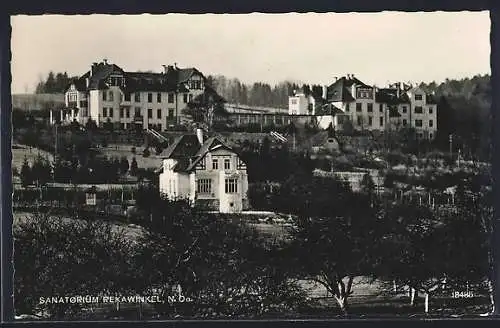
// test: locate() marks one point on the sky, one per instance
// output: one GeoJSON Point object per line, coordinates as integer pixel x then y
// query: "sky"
{"type": "Point", "coordinates": [377, 48]}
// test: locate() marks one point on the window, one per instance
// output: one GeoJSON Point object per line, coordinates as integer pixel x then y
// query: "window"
{"type": "Point", "coordinates": [418, 97]}
{"type": "Point", "coordinates": [111, 96]}
{"type": "Point", "coordinates": [431, 123]}
{"type": "Point", "coordinates": [158, 97]}
{"type": "Point", "coordinates": [381, 121]}
{"type": "Point", "coordinates": [170, 98]}
{"type": "Point", "coordinates": [185, 98]}
{"type": "Point", "coordinates": [405, 122]}
{"type": "Point", "coordinates": [381, 108]}
{"type": "Point", "coordinates": [370, 120]}
{"type": "Point", "coordinates": [137, 97]}
{"type": "Point", "coordinates": [204, 186]}
{"type": "Point", "coordinates": [127, 96]}
{"type": "Point", "coordinates": [83, 103]}
{"type": "Point", "coordinates": [418, 123]}
{"type": "Point", "coordinates": [150, 126]}
{"type": "Point", "coordinates": [404, 109]}
{"type": "Point", "coordinates": [370, 108]}
{"type": "Point", "coordinates": [360, 120]}
{"type": "Point", "coordinates": [158, 113]}
{"type": "Point", "coordinates": [137, 112]}
{"type": "Point", "coordinates": [358, 107]}
{"type": "Point", "coordinates": [150, 97]}
{"type": "Point", "coordinates": [105, 96]}
{"type": "Point", "coordinates": [215, 164]}
{"type": "Point", "coordinates": [346, 107]}
{"type": "Point", "coordinates": [122, 126]}
{"type": "Point", "coordinates": [111, 112]}
{"type": "Point", "coordinates": [150, 113]}
{"type": "Point", "coordinates": [190, 97]}
{"type": "Point", "coordinates": [159, 127]}
{"type": "Point", "coordinates": [127, 112]}
{"type": "Point", "coordinates": [104, 112]}
{"type": "Point", "coordinates": [227, 164]}
{"type": "Point", "coordinates": [231, 186]}
{"type": "Point", "coordinates": [430, 135]}
{"type": "Point", "coordinates": [430, 110]}
{"type": "Point", "coordinates": [122, 112]}
{"type": "Point", "coordinates": [418, 110]}
{"type": "Point", "coordinates": [170, 113]}
{"type": "Point", "coordinates": [420, 135]}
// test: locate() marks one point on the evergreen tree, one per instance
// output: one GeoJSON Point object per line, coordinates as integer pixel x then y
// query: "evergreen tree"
{"type": "Point", "coordinates": [133, 167]}
{"type": "Point", "coordinates": [26, 177]}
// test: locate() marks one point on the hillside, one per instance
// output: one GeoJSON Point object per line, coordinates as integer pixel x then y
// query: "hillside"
{"type": "Point", "coordinates": [37, 101]}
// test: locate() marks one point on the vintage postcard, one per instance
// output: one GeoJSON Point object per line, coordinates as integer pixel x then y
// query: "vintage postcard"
{"type": "Point", "coordinates": [252, 166]}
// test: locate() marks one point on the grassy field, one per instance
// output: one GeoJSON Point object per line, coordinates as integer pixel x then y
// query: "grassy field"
{"type": "Point", "coordinates": [21, 151]}
{"type": "Point", "coordinates": [130, 231]}
{"type": "Point", "coordinates": [114, 150]}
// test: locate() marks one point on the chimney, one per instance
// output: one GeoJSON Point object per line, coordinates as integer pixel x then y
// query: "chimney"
{"type": "Point", "coordinates": [175, 66]}
{"type": "Point", "coordinates": [199, 135]}
{"type": "Point", "coordinates": [336, 78]}
{"type": "Point", "coordinates": [105, 61]}
{"type": "Point", "coordinates": [93, 68]}
{"type": "Point", "coordinates": [87, 82]}
{"type": "Point", "coordinates": [325, 91]}
{"type": "Point", "coordinates": [164, 69]}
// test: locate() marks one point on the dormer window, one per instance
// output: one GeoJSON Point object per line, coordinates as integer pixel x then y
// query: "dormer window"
{"type": "Point", "coordinates": [418, 97]}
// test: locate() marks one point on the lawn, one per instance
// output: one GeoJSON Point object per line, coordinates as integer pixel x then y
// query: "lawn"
{"type": "Point", "coordinates": [115, 150]}
{"type": "Point", "coordinates": [21, 151]}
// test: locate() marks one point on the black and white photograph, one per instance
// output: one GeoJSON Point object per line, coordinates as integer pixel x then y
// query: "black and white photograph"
{"type": "Point", "coordinates": [252, 166]}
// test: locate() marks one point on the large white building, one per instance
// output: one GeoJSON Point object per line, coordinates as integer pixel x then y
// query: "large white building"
{"type": "Point", "coordinates": [369, 108]}
{"type": "Point", "coordinates": [205, 171]}
{"type": "Point", "coordinates": [108, 94]}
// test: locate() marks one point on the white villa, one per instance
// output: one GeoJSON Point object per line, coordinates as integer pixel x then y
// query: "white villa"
{"type": "Point", "coordinates": [368, 107]}
{"type": "Point", "coordinates": [108, 94]}
{"type": "Point", "coordinates": [205, 171]}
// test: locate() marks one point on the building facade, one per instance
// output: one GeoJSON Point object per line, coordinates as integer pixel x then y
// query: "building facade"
{"type": "Point", "coordinates": [108, 94]}
{"type": "Point", "coordinates": [205, 171]}
{"type": "Point", "coordinates": [367, 107]}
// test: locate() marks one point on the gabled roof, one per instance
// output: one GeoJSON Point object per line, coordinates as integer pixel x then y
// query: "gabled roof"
{"type": "Point", "coordinates": [209, 145]}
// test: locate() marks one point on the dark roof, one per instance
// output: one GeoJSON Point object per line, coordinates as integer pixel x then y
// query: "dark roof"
{"type": "Point", "coordinates": [184, 146]}
{"type": "Point", "coordinates": [320, 138]}
{"type": "Point", "coordinates": [329, 109]}
{"type": "Point", "coordinates": [172, 80]}
{"type": "Point", "coordinates": [387, 96]}
{"type": "Point", "coordinates": [340, 90]}
{"type": "Point", "coordinates": [404, 99]}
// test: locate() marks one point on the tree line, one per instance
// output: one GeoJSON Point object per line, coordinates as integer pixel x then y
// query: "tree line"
{"type": "Point", "coordinates": [54, 83]}
{"type": "Point", "coordinates": [95, 170]}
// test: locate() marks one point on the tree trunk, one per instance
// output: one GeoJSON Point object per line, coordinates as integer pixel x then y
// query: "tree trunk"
{"type": "Point", "coordinates": [492, 298]}
{"type": "Point", "coordinates": [394, 286]}
{"type": "Point", "coordinates": [413, 293]}
{"type": "Point", "coordinates": [343, 304]}
{"type": "Point", "coordinates": [426, 302]}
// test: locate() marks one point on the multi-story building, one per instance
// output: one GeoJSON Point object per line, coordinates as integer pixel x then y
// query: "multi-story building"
{"type": "Point", "coordinates": [370, 108]}
{"type": "Point", "coordinates": [205, 171]}
{"type": "Point", "coordinates": [108, 94]}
